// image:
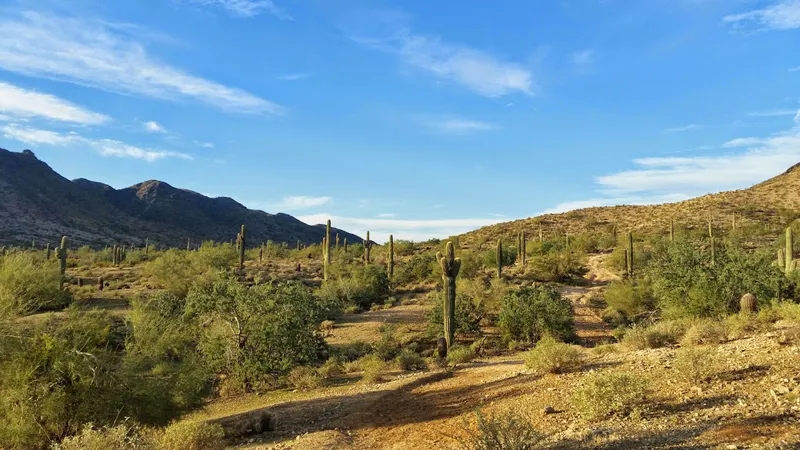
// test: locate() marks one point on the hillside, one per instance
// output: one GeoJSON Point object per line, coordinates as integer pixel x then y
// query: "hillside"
{"type": "Point", "coordinates": [773, 202]}
{"type": "Point", "coordinates": [38, 203]}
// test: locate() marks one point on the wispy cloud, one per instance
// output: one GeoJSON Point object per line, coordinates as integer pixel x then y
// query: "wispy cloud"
{"type": "Point", "coordinates": [795, 69]}
{"type": "Point", "coordinates": [19, 103]}
{"type": "Point", "coordinates": [105, 147]}
{"type": "Point", "coordinates": [205, 144]}
{"type": "Point", "coordinates": [90, 53]}
{"type": "Point", "coordinates": [477, 70]}
{"type": "Point", "coordinates": [773, 113]}
{"type": "Point", "coordinates": [294, 76]}
{"type": "Point", "coordinates": [416, 230]}
{"type": "Point", "coordinates": [782, 15]}
{"type": "Point", "coordinates": [583, 58]}
{"type": "Point", "coordinates": [154, 127]}
{"type": "Point", "coordinates": [246, 8]}
{"type": "Point", "coordinates": [296, 202]}
{"type": "Point", "coordinates": [455, 125]}
{"type": "Point", "coordinates": [683, 128]}
{"type": "Point", "coordinates": [387, 216]}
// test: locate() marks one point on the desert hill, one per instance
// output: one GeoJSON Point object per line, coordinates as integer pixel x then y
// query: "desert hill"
{"type": "Point", "coordinates": [36, 203]}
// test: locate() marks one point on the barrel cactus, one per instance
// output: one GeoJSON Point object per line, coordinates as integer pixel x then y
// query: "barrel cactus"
{"type": "Point", "coordinates": [748, 304]}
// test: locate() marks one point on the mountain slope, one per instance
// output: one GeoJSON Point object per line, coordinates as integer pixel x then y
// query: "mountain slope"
{"type": "Point", "coordinates": [38, 203]}
{"type": "Point", "coordinates": [775, 201]}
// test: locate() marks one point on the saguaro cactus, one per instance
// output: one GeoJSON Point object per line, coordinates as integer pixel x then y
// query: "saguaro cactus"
{"type": "Point", "coordinates": [713, 251]}
{"type": "Point", "coordinates": [450, 267]}
{"type": "Point", "coordinates": [327, 247]}
{"type": "Point", "coordinates": [789, 250]}
{"type": "Point", "coordinates": [710, 226]}
{"type": "Point", "coordinates": [47, 251]}
{"type": "Point", "coordinates": [61, 254]}
{"type": "Point", "coordinates": [671, 230]}
{"type": "Point", "coordinates": [629, 255]}
{"type": "Point", "coordinates": [260, 254]}
{"type": "Point", "coordinates": [521, 250]}
{"type": "Point", "coordinates": [146, 246]}
{"type": "Point", "coordinates": [782, 259]}
{"type": "Point", "coordinates": [241, 244]}
{"type": "Point", "coordinates": [390, 262]}
{"type": "Point", "coordinates": [367, 248]}
{"type": "Point", "coordinates": [541, 234]}
{"type": "Point", "coordinates": [733, 221]}
{"type": "Point", "coordinates": [344, 244]}
{"type": "Point", "coordinates": [499, 258]}
{"type": "Point", "coordinates": [188, 244]}
{"type": "Point", "coordinates": [337, 241]}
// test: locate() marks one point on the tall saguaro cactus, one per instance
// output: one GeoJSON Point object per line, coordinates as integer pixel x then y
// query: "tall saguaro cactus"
{"type": "Point", "coordinates": [345, 245]}
{"type": "Point", "coordinates": [326, 251]}
{"type": "Point", "coordinates": [450, 267]}
{"type": "Point", "coordinates": [337, 241]}
{"type": "Point", "coordinates": [241, 243]}
{"type": "Point", "coordinates": [522, 257]}
{"type": "Point", "coordinates": [47, 251]}
{"type": "Point", "coordinates": [671, 230]}
{"type": "Point", "coordinates": [188, 244]}
{"type": "Point", "coordinates": [61, 254]}
{"type": "Point", "coordinates": [713, 251]}
{"type": "Point", "coordinates": [146, 246]}
{"type": "Point", "coordinates": [367, 248]}
{"type": "Point", "coordinates": [629, 255]}
{"type": "Point", "coordinates": [390, 262]}
{"type": "Point", "coordinates": [710, 226]}
{"type": "Point", "coordinates": [499, 258]}
{"type": "Point", "coordinates": [789, 251]}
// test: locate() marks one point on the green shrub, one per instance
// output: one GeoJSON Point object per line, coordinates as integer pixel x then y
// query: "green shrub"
{"type": "Point", "coordinates": [361, 288]}
{"type": "Point", "coordinates": [187, 435]}
{"type": "Point", "coordinates": [602, 394]}
{"type": "Point", "coordinates": [503, 431]}
{"type": "Point", "coordinates": [551, 356]}
{"type": "Point", "coordinates": [632, 301]}
{"type": "Point", "coordinates": [332, 368]}
{"type": "Point", "coordinates": [705, 331]}
{"type": "Point", "coordinates": [471, 264]}
{"type": "Point", "coordinates": [459, 354]}
{"type": "Point", "coordinates": [373, 368]}
{"type": "Point", "coordinates": [468, 314]}
{"type": "Point", "coordinates": [304, 378]}
{"type": "Point", "coordinates": [409, 360]}
{"type": "Point", "coordinates": [558, 266]}
{"type": "Point", "coordinates": [660, 334]}
{"type": "Point", "coordinates": [419, 269]}
{"type": "Point", "coordinates": [172, 271]}
{"type": "Point", "coordinates": [387, 347]}
{"type": "Point", "coordinates": [29, 283]}
{"type": "Point", "coordinates": [529, 313]}
{"type": "Point", "coordinates": [120, 437]}
{"type": "Point", "coordinates": [353, 350]}
{"type": "Point", "coordinates": [696, 364]}
{"type": "Point", "coordinates": [605, 349]}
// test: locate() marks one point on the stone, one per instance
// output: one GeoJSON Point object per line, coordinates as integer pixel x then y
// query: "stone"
{"type": "Point", "coordinates": [548, 410]}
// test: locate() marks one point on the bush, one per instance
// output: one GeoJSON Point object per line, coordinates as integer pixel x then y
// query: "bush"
{"type": "Point", "coordinates": [373, 368]}
{"type": "Point", "coordinates": [332, 368]}
{"type": "Point", "coordinates": [602, 394]}
{"type": "Point", "coordinates": [304, 378]}
{"type": "Point", "coordinates": [551, 356]}
{"type": "Point", "coordinates": [660, 334]}
{"type": "Point", "coordinates": [172, 271]}
{"type": "Point", "coordinates": [695, 365]}
{"type": "Point", "coordinates": [558, 266]}
{"type": "Point", "coordinates": [468, 314]}
{"type": "Point", "coordinates": [387, 347]}
{"type": "Point", "coordinates": [29, 283]}
{"type": "Point", "coordinates": [504, 431]}
{"type": "Point", "coordinates": [632, 301]}
{"type": "Point", "coordinates": [531, 312]}
{"type": "Point", "coordinates": [409, 360]}
{"type": "Point", "coordinates": [120, 437]}
{"type": "Point", "coordinates": [706, 331]}
{"type": "Point", "coordinates": [458, 354]}
{"type": "Point", "coordinates": [419, 269]}
{"type": "Point", "coordinates": [191, 436]}
{"type": "Point", "coordinates": [353, 351]}
{"type": "Point", "coordinates": [361, 288]}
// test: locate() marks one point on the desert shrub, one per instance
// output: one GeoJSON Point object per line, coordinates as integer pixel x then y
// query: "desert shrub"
{"type": "Point", "coordinates": [503, 431]}
{"type": "Point", "coordinates": [187, 435]}
{"type": "Point", "coordinates": [552, 356]}
{"type": "Point", "coordinates": [119, 437]}
{"type": "Point", "coordinates": [361, 287]}
{"type": "Point", "coordinates": [607, 393]}
{"type": "Point", "coordinates": [471, 264]}
{"type": "Point", "coordinates": [529, 313]}
{"type": "Point", "coordinates": [659, 334]}
{"type": "Point", "coordinates": [403, 247]}
{"type": "Point", "coordinates": [705, 331]}
{"type": "Point", "coordinates": [487, 298]}
{"type": "Point", "coordinates": [468, 314]}
{"type": "Point", "coordinates": [172, 271]}
{"type": "Point", "coordinates": [352, 351]}
{"type": "Point", "coordinates": [254, 334]}
{"type": "Point", "coordinates": [632, 301]}
{"type": "Point", "coordinates": [786, 311]}
{"type": "Point", "coordinates": [332, 368]}
{"type": "Point", "coordinates": [508, 257]}
{"type": "Point", "coordinates": [373, 368]}
{"type": "Point", "coordinates": [304, 378]}
{"type": "Point", "coordinates": [29, 283]}
{"type": "Point", "coordinates": [739, 325]}
{"type": "Point", "coordinates": [696, 364]}
{"type": "Point", "coordinates": [459, 354]}
{"type": "Point", "coordinates": [418, 269]}
{"type": "Point", "coordinates": [605, 349]}
{"type": "Point", "coordinates": [387, 347]}
{"type": "Point", "coordinates": [410, 360]}
{"type": "Point", "coordinates": [558, 266]}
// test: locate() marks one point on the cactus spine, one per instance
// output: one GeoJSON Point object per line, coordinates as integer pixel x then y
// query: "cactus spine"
{"type": "Point", "coordinates": [391, 257]}
{"type": "Point", "coordinates": [629, 255]}
{"type": "Point", "coordinates": [367, 248]}
{"type": "Point", "coordinates": [450, 267]}
{"type": "Point", "coordinates": [789, 252]}
{"type": "Point", "coordinates": [499, 258]}
{"type": "Point", "coordinates": [240, 243]}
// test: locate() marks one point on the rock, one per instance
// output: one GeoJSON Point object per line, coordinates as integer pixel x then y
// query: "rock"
{"type": "Point", "coordinates": [548, 410]}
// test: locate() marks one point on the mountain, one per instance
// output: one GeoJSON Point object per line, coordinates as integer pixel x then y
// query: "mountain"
{"type": "Point", "coordinates": [774, 202]}
{"type": "Point", "coordinates": [36, 203]}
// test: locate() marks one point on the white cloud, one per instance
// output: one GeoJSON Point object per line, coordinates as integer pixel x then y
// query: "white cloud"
{"type": "Point", "coordinates": [582, 58]}
{"type": "Point", "coordinates": [16, 102]}
{"type": "Point", "coordinates": [387, 216]}
{"type": "Point", "coordinates": [773, 113]}
{"type": "Point", "coordinates": [795, 69]}
{"type": "Point", "coordinates": [246, 8]}
{"type": "Point", "coordinates": [783, 15]}
{"type": "Point", "coordinates": [456, 125]}
{"type": "Point", "coordinates": [154, 127]}
{"type": "Point", "coordinates": [797, 117]}
{"type": "Point", "coordinates": [294, 76]}
{"type": "Point", "coordinates": [295, 202]}
{"type": "Point", "coordinates": [683, 128]}
{"type": "Point", "coordinates": [105, 147]}
{"type": "Point", "coordinates": [93, 54]}
{"type": "Point", "coordinates": [416, 230]}
{"type": "Point", "coordinates": [207, 145]}
{"type": "Point", "coordinates": [479, 71]}
{"type": "Point", "coordinates": [742, 142]}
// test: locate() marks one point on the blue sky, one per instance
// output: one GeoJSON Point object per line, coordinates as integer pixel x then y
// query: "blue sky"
{"type": "Point", "coordinates": [416, 118]}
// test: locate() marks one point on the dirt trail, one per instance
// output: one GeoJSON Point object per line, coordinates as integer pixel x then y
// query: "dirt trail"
{"type": "Point", "coordinates": [589, 326]}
